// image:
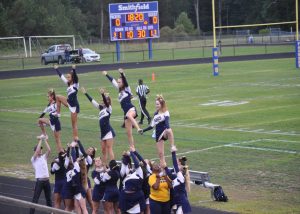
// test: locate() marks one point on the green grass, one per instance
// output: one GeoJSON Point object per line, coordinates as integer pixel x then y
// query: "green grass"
{"type": "Point", "coordinates": [163, 52]}
{"type": "Point", "coordinates": [260, 179]}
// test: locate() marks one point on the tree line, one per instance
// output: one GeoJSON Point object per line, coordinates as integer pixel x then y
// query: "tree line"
{"type": "Point", "coordinates": [89, 18]}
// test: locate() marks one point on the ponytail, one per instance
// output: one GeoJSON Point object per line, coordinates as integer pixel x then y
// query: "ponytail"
{"type": "Point", "coordinates": [162, 102]}
{"type": "Point", "coordinates": [187, 178]}
{"type": "Point", "coordinates": [51, 93]}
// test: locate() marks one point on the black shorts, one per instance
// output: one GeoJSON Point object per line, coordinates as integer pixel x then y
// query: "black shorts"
{"type": "Point", "coordinates": [55, 125]}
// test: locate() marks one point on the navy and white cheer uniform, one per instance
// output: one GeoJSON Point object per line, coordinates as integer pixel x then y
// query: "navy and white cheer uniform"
{"type": "Point", "coordinates": [179, 194]}
{"type": "Point", "coordinates": [71, 91]}
{"type": "Point", "coordinates": [68, 188]}
{"type": "Point", "coordinates": [110, 180]}
{"type": "Point", "coordinates": [132, 198]}
{"type": "Point", "coordinates": [59, 171]}
{"type": "Point", "coordinates": [107, 132]}
{"type": "Point", "coordinates": [124, 95]}
{"type": "Point", "coordinates": [99, 187]}
{"type": "Point", "coordinates": [78, 188]}
{"type": "Point", "coordinates": [88, 161]}
{"type": "Point", "coordinates": [161, 122]}
{"type": "Point", "coordinates": [51, 109]}
{"type": "Point", "coordinates": [147, 172]}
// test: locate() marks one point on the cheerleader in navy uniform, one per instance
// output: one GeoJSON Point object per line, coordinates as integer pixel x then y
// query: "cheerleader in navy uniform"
{"type": "Point", "coordinates": [107, 132]}
{"type": "Point", "coordinates": [125, 96]}
{"type": "Point", "coordinates": [146, 167]}
{"type": "Point", "coordinates": [67, 191]}
{"type": "Point", "coordinates": [89, 156]}
{"type": "Point", "coordinates": [71, 80]}
{"type": "Point", "coordinates": [111, 193]}
{"type": "Point", "coordinates": [59, 170]}
{"type": "Point", "coordinates": [163, 131]}
{"type": "Point", "coordinates": [54, 122]}
{"type": "Point", "coordinates": [79, 191]}
{"type": "Point", "coordinates": [75, 177]}
{"type": "Point", "coordinates": [99, 187]}
{"type": "Point", "coordinates": [132, 196]}
{"type": "Point", "coordinates": [180, 184]}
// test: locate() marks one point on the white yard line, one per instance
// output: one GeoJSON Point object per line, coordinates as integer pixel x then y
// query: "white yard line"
{"type": "Point", "coordinates": [238, 145]}
{"type": "Point", "coordinates": [210, 148]}
{"type": "Point", "coordinates": [236, 130]}
{"type": "Point", "coordinates": [279, 140]}
{"type": "Point", "coordinates": [192, 125]}
{"type": "Point", "coordinates": [263, 149]}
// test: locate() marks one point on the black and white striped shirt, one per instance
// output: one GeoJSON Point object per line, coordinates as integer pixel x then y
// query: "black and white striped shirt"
{"type": "Point", "coordinates": [142, 90]}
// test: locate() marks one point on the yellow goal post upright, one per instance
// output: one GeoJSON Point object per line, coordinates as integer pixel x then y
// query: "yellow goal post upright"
{"type": "Point", "coordinates": [215, 48]}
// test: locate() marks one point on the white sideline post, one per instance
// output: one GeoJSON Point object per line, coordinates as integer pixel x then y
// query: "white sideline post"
{"type": "Point", "coordinates": [17, 37]}
{"type": "Point", "coordinates": [58, 36]}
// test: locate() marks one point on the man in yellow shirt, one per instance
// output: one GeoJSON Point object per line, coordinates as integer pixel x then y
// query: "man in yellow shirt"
{"type": "Point", "coordinates": [159, 191]}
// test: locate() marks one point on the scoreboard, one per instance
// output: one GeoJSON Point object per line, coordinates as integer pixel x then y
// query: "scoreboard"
{"type": "Point", "coordinates": [135, 20]}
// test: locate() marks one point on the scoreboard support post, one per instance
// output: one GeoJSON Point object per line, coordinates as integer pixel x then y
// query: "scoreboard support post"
{"type": "Point", "coordinates": [297, 55]}
{"type": "Point", "coordinates": [150, 49]}
{"type": "Point", "coordinates": [118, 52]}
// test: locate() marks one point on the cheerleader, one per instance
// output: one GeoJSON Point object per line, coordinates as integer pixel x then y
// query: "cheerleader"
{"type": "Point", "coordinates": [180, 184]}
{"type": "Point", "coordinates": [67, 191]}
{"type": "Point", "coordinates": [107, 132]}
{"type": "Point", "coordinates": [132, 196]}
{"type": "Point", "coordinates": [146, 167]}
{"type": "Point", "coordinates": [59, 171]}
{"type": "Point", "coordinates": [99, 187]}
{"type": "Point", "coordinates": [71, 80]}
{"type": "Point", "coordinates": [125, 96]}
{"type": "Point", "coordinates": [75, 177]}
{"type": "Point", "coordinates": [163, 131]}
{"type": "Point", "coordinates": [89, 156]}
{"type": "Point", "coordinates": [53, 121]}
{"type": "Point", "coordinates": [79, 191]}
{"type": "Point", "coordinates": [111, 193]}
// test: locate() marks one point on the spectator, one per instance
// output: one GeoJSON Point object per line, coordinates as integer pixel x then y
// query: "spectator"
{"type": "Point", "coordinates": [159, 191]}
{"type": "Point", "coordinates": [67, 56]}
{"type": "Point", "coordinates": [250, 39]}
{"type": "Point", "coordinates": [80, 53]}
{"type": "Point", "coordinates": [39, 163]}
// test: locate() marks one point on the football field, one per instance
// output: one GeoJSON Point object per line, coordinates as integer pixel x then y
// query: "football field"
{"type": "Point", "coordinates": [243, 127]}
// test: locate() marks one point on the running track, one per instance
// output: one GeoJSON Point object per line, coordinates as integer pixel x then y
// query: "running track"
{"type": "Point", "coordinates": [101, 67]}
{"type": "Point", "coordinates": [23, 189]}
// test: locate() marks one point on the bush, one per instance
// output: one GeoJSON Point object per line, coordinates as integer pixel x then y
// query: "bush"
{"type": "Point", "coordinates": [264, 31]}
{"type": "Point", "coordinates": [166, 33]}
{"type": "Point", "coordinates": [179, 31]}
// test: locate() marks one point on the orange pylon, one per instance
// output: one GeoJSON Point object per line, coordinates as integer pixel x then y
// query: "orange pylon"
{"type": "Point", "coordinates": [153, 77]}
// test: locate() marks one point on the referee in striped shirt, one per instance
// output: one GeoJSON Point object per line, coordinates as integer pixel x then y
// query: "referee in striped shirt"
{"type": "Point", "coordinates": [142, 90]}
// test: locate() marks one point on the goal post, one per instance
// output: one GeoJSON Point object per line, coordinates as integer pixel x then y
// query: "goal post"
{"type": "Point", "coordinates": [57, 36]}
{"type": "Point", "coordinates": [215, 48]}
{"type": "Point", "coordinates": [14, 38]}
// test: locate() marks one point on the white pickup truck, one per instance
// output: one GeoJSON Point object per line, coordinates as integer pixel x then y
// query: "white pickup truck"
{"type": "Point", "coordinates": [55, 54]}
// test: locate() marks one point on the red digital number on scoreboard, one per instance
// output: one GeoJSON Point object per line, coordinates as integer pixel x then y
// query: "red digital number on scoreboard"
{"type": "Point", "coordinates": [118, 35]}
{"type": "Point", "coordinates": [152, 33]}
{"type": "Point", "coordinates": [135, 17]}
{"type": "Point", "coordinates": [153, 20]}
{"type": "Point", "coordinates": [141, 33]}
{"type": "Point", "coordinates": [129, 34]}
{"type": "Point", "coordinates": [116, 22]}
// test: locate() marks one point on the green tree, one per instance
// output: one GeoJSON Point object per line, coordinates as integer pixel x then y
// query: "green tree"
{"type": "Point", "coordinates": [184, 20]}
